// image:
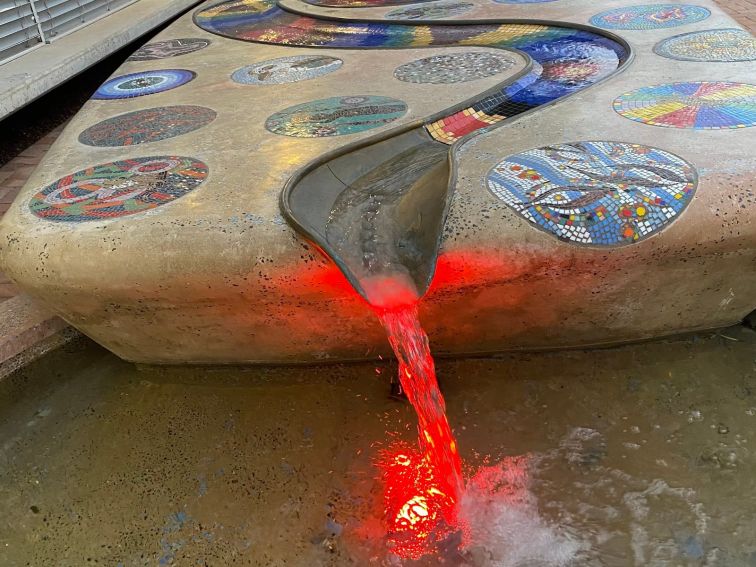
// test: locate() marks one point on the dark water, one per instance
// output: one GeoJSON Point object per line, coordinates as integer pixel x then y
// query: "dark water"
{"type": "Point", "coordinates": [641, 455]}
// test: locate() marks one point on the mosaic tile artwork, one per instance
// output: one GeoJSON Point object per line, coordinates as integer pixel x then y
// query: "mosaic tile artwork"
{"type": "Point", "coordinates": [336, 116]}
{"type": "Point", "coordinates": [148, 125]}
{"type": "Point", "coordinates": [168, 48]}
{"type": "Point", "coordinates": [650, 17]}
{"type": "Point", "coordinates": [522, 1]}
{"type": "Point", "coordinates": [453, 68]}
{"type": "Point", "coordinates": [143, 83]}
{"type": "Point", "coordinates": [696, 105]}
{"type": "Point", "coordinates": [360, 3]}
{"type": "Point", "coordinates": [118, 189]}
{"type": "Point", "coordinates": [731, 44]}
{"type": "Point", "coordinates": [286, 70]}
{"type": "Point", "coordinates": [595, 193]}
{"type": "Point", "coordinates": [431, 11]}
{"type": "Point", "coordinates": [565, 60]}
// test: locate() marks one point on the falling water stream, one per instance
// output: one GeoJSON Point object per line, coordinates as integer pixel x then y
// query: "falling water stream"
{"type": "Point", "coordinates": [423, 486]}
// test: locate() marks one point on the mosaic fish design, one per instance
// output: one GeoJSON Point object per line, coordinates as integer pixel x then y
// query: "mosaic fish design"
{"type": "Point", "coordinates": [697, 105]}
{"type": "Point", "coordinates": [650, 17]}
{"type": "Point", "coordinates": [168, 48]}
{"type": "Point", "coordinates": [286, 70]}
{"type": "Point", "coordinates": [148, 125]}
{"type": "Point", "coordinates": [336, 116]}
{"type": "Point", "coordinates": [595, 193]}
{"type": "Point", "coordinates": [566, 60]}
{"type": "Point", "coordinates": [432, 11]}
{"type": "Point", "coordinates": [711, 46]}
{"type": "Point", "coordinates": [117, 189]}
{"type": "Point", "coordinates": [143, 83]}
{"type": "Point", "coordinates": [453, 68]}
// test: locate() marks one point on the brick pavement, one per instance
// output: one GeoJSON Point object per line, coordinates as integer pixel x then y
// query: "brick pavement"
{"type": "Point", "coordinates": [13, 174]}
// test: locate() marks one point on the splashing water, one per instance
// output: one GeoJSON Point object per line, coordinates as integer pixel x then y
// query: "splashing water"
{"type": "Point", "coordinates": [423, 488]}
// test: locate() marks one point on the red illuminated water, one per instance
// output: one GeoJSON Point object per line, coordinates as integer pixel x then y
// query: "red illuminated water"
{"type": "Point", "coordinates": [422, 487]}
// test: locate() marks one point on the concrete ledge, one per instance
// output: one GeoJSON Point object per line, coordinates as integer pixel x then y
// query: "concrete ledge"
{"type": "Point", "coordinates": [28, 77]}
{"type": "Point", "coordinates": [28, 331]}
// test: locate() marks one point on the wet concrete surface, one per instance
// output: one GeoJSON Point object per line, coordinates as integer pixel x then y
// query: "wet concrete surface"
{"type": "Point", "coordinates": [639, 455]}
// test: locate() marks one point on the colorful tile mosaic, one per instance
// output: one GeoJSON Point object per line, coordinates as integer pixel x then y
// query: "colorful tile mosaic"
{"type": "Point", "coordinates": [430, 11]}
{"type": "Point", "coordinates": [168, 48]}
{"type": "Point", "coordinates": [522, 1]}
{"type": "Point", "coordinates": [732, 44]}
{"type": "Point", "coordinates": [595, 193]}
{"type": "Point", "coordinates": [360, 3]}
{"type": "Point", "coordinates": [566, 59]}
{"type": "Point", "coordinates": [696, 105]}
{"type": "Point", "coordinates": [286, 70]}
{"type": "Point", "coordinates": [454, 67]}
{"type": "Point", "coordinates": [143, 83]}
{"type": "Point", "coordinates": [336, 116]}
{"type": "Point", "coordinates": [650, 17]}
{"type": "Point", "coordinates": [118, 189]}
{"type": "Point", "coordinates": [148, 125]}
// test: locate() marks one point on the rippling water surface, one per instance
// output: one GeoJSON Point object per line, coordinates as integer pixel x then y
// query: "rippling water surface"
{"type": "Point", "coordinates": [641, 455]}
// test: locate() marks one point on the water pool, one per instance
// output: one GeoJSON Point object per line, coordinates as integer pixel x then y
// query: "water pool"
{"type": "Point", "coordinates": [637, 455]}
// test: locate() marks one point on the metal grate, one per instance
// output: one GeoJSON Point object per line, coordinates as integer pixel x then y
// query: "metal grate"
{"type": "Point", "coordinates": [26, 24]}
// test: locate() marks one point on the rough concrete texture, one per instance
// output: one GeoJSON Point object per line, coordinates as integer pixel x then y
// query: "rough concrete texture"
{"type": "Point", "coordinates": [218, 275]}
{"type": "Point", "coordinates": [26, 78]}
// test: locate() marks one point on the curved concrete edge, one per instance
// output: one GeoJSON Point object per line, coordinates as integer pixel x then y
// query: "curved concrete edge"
{"type": "Point", "coordinates": [30, 76]}
{"type": "Point", "coordinates": [28, 332]}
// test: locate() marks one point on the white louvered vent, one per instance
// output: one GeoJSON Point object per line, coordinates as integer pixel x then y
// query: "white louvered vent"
{"type": "Point", "coordinates": [25, 24]}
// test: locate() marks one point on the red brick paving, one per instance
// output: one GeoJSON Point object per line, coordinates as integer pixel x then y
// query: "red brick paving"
{"type": "Point", "coordinates": [744, 11]}
{"type": "Point", "coordinates": [13, 174]}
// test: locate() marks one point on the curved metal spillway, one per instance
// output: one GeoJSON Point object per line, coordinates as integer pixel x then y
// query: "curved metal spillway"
{"type": "Point", "coordinates": [378, 208]}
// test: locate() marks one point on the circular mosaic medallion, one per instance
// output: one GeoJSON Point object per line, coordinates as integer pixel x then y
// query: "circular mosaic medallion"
{"type": "Point", "coordinates": [143, 83]}
{"type": "Point", "coordinates": [432, 11]}
{"type": "Point", "coordinates": [286, 70]}
{"type": "Point", "coordinates": [698, 105]}
{"type": "Point", "coordinates": [595, 193]}
{"type": "Point", "coordinates": [453, 68]}
{"type": "Point", "coordinates": [731, 44]}
{"type": "Point", "coordinates": [148, 125]}
{"type": "Point", "coordinates": [168, 48]}
{"type": "Point", "coordinates": [336, 116]}
{"type": "Point", "coordinates": [118, 189]}
{"type": "Point", "coordinates": [650, 17]}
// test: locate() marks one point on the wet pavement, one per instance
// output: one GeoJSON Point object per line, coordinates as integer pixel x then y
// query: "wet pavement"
{"type": "Point", "coordinates": [639, 455]}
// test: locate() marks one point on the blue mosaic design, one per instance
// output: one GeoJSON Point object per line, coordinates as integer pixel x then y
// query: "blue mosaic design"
{"type": "Point", "coordinates": [565, 60]}
{"type": "Point", "coordinates": [650, 17]}
{"type": "Point", "coordinates": [595, 193]}
{"type": "Point", "coordinates": [430, 11]}
{"type": "Point", "coordinates": [286, 70]}
{"type": "Point", "coordinates": [143, 83]}
{"type": "Point", "coordinates": [336, 116]}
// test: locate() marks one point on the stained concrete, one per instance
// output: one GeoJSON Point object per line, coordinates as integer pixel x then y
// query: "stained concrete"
{"type": "Point", "coordinates": [28, 332]}
{"type": "Point", "coordinates": [218, 276]}
{"type": "Point", "coordinates": [635, 456]}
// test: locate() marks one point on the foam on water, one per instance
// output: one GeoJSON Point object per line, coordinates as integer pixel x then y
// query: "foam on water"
{"type": "Point", "coordinates": [503, 525]}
